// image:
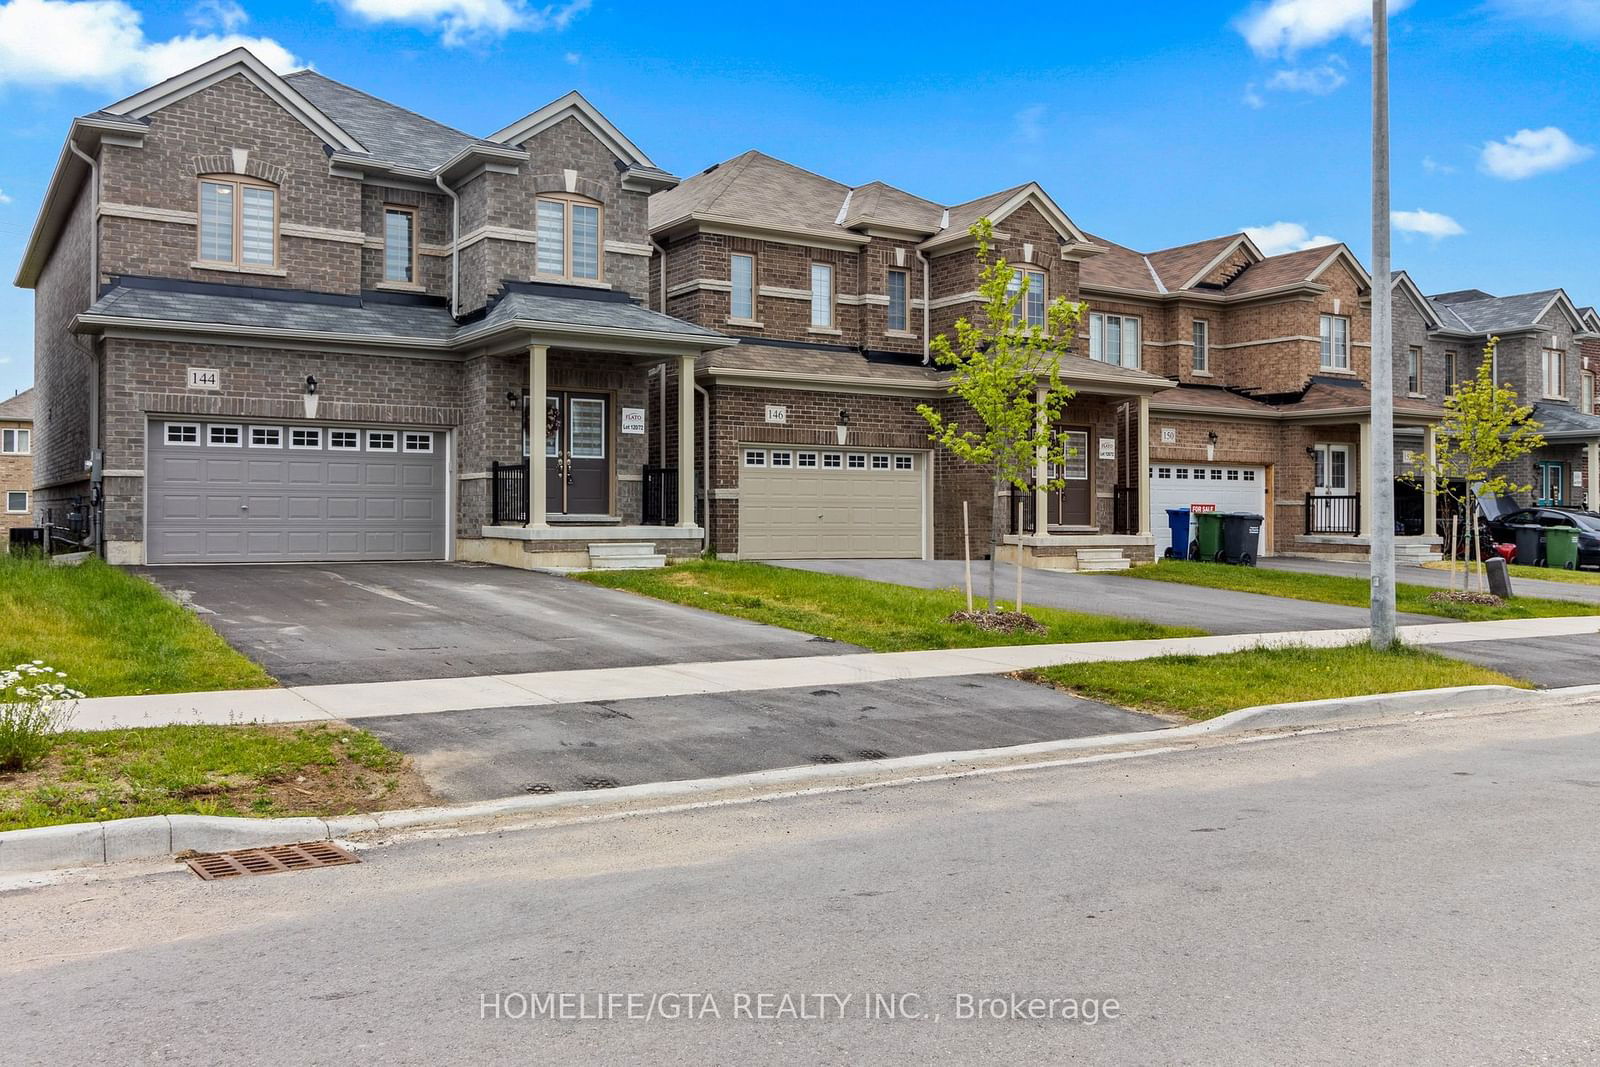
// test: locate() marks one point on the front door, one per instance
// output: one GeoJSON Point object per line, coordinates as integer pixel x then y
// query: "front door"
{"type": "Point", "coordinates": [577, 455]}
{"type": "Point", "coordinates": [1334, 504]}
{"type": "Point", "coordinates": [1073, 503]}
{"type": "Point", "coordinates": [1551, 487]}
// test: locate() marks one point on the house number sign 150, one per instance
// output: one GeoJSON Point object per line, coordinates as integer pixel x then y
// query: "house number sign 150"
{"type": "Point", "coordinates": [205, 378]}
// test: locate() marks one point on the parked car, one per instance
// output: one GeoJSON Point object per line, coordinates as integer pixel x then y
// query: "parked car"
{"type": "Point", "coordinates": [1587, 523]}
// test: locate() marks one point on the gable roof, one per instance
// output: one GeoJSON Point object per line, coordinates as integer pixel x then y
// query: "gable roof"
{"type": "Point", "coordinates": [573, 105]}
{"type": "Point", "coordinates": [998, 207]}
{"type": "Point", "coordinates": [1120, 267]}
{"type": "Point", "coordinates": [1185, 266]}
{"type": "Point", "coordinates": [1400, 282]}
{"type": "Point", "coordinates": [388, 132]}
{"type": "Point", "coordinates": [877, 203]}
{"type": "Point", "coordinates": [757, 190]}
{"type": "Point", "coordinates": [1306, 265]}
{"type": "Point", "coordinates": [1484, 314]}
{"type": "Point", "coordinates": [18, 408]}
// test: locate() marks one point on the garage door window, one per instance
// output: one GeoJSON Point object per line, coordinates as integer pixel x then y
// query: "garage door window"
{"type": "Point", "coordinates": [782, 459]}
{"type": "Point", "coordinates": [880, 463]}
{"type": "Point", "coordinates": [224, 436]}
{"type": "Point", "coordinates": [902, 463]}
{"type": "Point", "coordinates": [755, 457]}
{"type": "Point", "coordinates": [344, 440]}
{"type": "Point", "coordinates": [419, 442]}
{"type": "Point", "coordinates": [858, 462]}
{"type": "Point", "coordinates": [183, 433]}
{"type": "Point", "coordinates": [305, 438]}
{"type": "Point", "coordinates": [1249, 476]}
{"type": "Point", "coordinates": [806, 459]}
{"type": "Point", "coordinates": [832, 461]}
{"type": "Point", "coordinates": [266, 437]}
{"type": "Point", "coordinates": [380, 440]}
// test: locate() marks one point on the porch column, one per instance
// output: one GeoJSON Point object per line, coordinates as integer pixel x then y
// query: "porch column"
{"type": "Point", "coordinates": [1593, 486]}
{"type": "Point", "coordinates": [1364, 476]}
{"type": "Point", "coordinates": [1430, 482]}
{"type": "Point", "coordinates": [1041, 473]}
{"type": "Point", "coordinates": [686, 441]}
{"type": "Point", "coordinates": [538, 363]}
{"type": "Point", "coordinates": [1143, 470]}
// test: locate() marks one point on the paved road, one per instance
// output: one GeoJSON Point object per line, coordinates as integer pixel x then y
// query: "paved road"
{"type": "Point", "coordinates": [1415, 894]}
{"type": "Point", "coordinates": [1217, 611]}
{"type": "Point", "coordinates": [484, 755]}
{"type": "Point", "coordinates": [376, 622]}
{"type": "Point", "coordinates": [1424, 576]}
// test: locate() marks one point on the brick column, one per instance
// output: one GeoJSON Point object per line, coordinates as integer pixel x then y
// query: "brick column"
{"type": "Point", "coordinates": [538, 361]}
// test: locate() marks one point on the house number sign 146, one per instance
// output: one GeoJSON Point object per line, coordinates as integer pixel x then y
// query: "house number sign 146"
{"type": "Point", "coordinates": [205, 378]}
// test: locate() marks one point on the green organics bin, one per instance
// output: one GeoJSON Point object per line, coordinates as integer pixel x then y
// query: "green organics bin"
{"type": "Point", "coordinates": [1561, 547]}
{"type": "Point", "coordinates": [1207, 536]}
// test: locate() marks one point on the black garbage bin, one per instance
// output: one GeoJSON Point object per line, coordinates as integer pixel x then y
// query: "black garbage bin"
{"type": "Point", "coordinates": [1530, 543]}
{"type": "Point", "coordinates": [1241, 536]}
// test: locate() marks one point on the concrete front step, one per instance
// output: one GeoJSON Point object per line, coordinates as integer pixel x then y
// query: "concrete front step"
{"type": "Point", "coordinates": [625, 556]}
{"type": "Point", "coordinates": [1099, 553]}
{"type": "Point", "coordinates": [1092, 565]}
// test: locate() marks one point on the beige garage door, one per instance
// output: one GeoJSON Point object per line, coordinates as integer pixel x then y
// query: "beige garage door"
{"type": "Point", "coordinates": [801, 503]}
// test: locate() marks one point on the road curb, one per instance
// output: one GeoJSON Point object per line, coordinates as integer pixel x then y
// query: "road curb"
{"type": "Point", "coordinates": [156, 837]}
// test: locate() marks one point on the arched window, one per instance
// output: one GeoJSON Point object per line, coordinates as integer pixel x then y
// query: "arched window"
{"type": "Point", "coordinates": [569, 241]}
{"type": "Point", "coordinates": [238, 222]}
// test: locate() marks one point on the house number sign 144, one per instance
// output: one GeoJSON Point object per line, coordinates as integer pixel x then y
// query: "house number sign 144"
{"type": "Point", "coordinates": [205, 378]}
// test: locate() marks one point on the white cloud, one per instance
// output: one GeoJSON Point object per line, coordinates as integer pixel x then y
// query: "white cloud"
{"type": "Point", "coordinates": [1253, 97]}
{"type": "Point", "coordinates": [102, 43]}
{"type": "Point", "coordinates": [1028, 124]}
{"type": "Point", "coordinates": [462, 21]}
{"type": "Point", "coordinates": [1280, 237]}
{"type": "Point", "coordinates": [224, 15]}
{"type": "Point", "coordinates": [1283, 27]}
{"type": "Point", "coordinates": [1319, 80]}
{"type": "Point", "coordinates": [4, 199]}
{"type": "Point", "coordinates": [1433, 166]}
{"type": "Point", "coordinates": [1529, 152]}
{"type": "Point", "coordinates": [1420, 223]}
{"type": "Point", "coordinates": [573, 58]}
{"type": "Point", "coordinates": [1577, 16]}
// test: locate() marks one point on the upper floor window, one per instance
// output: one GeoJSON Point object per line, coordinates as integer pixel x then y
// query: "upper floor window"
{"type": "Point", "coordinates": [1201, 359]}
{"type": "Point", "coordinates": [1586, 391]}
{"type": "Point", "coordinates": [16, 501]}
{"type": "Point", "coordinates": [1335, 342]}
{"type": "Point", "coordinates": [899, 284]}
{"type": "Point", "coordinates": [399, 244]}
{"type": "Point", "coordinates": [1114, 339]}
{"type": "Point", "coordinates": [238, 222]}
{"type": "Point", "coordinates": [742, 295]}
{"type": "Point", "coordinates": [822, 295]}
{"type": "Point", "coordinates": [1030, 308]}
{"type": "Point", "coordinates": [568, 235]}
{"type": "Point", "coordinates": [1452, 376]}
{"type": "Point", "coordinates": [1555, 373]}
{"type": "Point", "coordinates": [15, 442]}
{"type": "Point", "coordinates": [1414, 370]}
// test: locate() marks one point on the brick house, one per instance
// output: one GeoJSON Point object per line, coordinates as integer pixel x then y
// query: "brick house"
{"type": "Point", "coordinates": [16, 460]}
{"type": "Point", "coordinates": [1548, 351]}
{"type": "Point", "coordinates": [280, 319]}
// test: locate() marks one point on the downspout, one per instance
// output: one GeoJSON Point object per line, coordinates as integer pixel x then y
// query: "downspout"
{"type": "Point", "coordinates": [455, 245]}
{"type": "Point", "coordinates": [705, 467]}
{"type": "Point", "coordinates": [927, 352]}
{"type": "Point", "coordinates": [96, 455]}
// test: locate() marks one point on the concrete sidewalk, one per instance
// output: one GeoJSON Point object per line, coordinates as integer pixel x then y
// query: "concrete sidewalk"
{"type": "Point", "coordinates": [1438, 579]}
{"type": "Point", "coordinates": [427, 696]}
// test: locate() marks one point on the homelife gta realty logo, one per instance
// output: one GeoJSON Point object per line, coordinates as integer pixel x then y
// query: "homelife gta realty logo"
{"type": "Point", "coordinates": [788, 1006]}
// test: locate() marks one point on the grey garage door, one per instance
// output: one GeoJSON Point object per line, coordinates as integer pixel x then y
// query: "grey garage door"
{"type": "Point", "coordinates": [816, 503]}
{"type": "Point", "coordinates": [227, 492]}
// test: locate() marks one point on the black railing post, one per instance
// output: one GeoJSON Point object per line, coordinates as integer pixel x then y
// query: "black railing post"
{"type": "Point", "coordinates": [494, 492]}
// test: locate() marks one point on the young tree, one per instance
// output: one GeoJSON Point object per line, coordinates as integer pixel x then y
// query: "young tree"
{"type": "Point", "coordinates": [1008, 374]}
{"type": "Point", "coordinates": [1484, 430]}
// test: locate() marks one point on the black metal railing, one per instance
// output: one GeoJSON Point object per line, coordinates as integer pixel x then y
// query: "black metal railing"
{"type": "Point", "coordinates": [1020, 511]}
{"type": "Point", "coordinates": [508, 492]}
{"type": "Point", "coordinates": [1125, 509]}
{"type": "Point", "coordinates": [660, 496]}
{"type": "Point", "coordinates": [1333, 514]}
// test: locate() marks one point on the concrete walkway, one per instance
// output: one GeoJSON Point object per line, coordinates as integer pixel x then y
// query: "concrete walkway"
{"type": "Point", "coordinates": [426, 696]}
{"type": "Point", "coordinates": [1439, 579]}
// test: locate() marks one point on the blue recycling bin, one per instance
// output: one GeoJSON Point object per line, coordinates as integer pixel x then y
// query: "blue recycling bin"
{"type": "Point", "coordinates": [1178, 523]}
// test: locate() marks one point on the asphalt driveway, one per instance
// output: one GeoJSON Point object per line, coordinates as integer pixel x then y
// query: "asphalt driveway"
{"type": "Point", "coordinates": [376, 622]}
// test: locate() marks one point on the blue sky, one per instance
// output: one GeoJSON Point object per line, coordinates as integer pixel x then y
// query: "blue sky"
{"type": "Point", "coordinates": [1151, 123]}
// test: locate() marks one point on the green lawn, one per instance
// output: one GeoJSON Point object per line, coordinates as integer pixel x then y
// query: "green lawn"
{"type": "Point", "coordinates": [112, 632]}
{"type": "Point", "coordinates": [326, 769]}
{"type": "Point", "coordinates": [875, 615]}
{"type": "Point", "coordinates": [1203, 687]}
{"type": "Point", "coordinates": [1355, 592]}
{"type": "Point", "coordinates": [1543, 574]}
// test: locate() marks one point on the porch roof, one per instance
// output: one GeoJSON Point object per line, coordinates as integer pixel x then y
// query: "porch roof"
{"type": "Point", "coordinates": [1561, 423]}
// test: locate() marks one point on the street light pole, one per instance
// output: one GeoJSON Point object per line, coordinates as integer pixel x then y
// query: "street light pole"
{"type": "Point", "coordinates": [1382, 472]}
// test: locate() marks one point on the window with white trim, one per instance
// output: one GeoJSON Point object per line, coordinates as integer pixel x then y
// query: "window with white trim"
{"type": "Point", "coordinates": [898, 288]}
{"type": "Point", "coordinates": [1555, 373]}
{"type": "Point", "coordinates": [1182, 474]}
{"type": "Point", "coordinates": [1335, 342]}
{"type": "Point", "coordinates": [238, 222]}
{"type": "Point", "coordinates": [16, 501]}
{"type": "Point", "coordinates": [1216, 474]}
{"type": "Point", "coordinates": [755, 457]}
{"type": "Point", "coordinates": [399, 244]}
{"type": "Point", "coordinates": [16, 442]}
{"type": "Point", "coordinates": [822, 295]}
{"type": "Point", "coordinates": [742, 282]}
{"type": "Point", "coordinates": [183, 433]}
{"type": "Point", "coordinates": [305, 437]}
{"type": "Point", "coordinates": [1233, 475]}
{"type": "Point", "coordinates": [567, 232]}
{"type": "Point", "coordinates": [1030, 307]}
{"type": "Point", "coordinates": [380, 441]}
{"type": "Point", "coordinates": [1163, 472]}
{"type": "Point", "coordinates": [1586, 391]}
{"type": "Point", "coordinates": [1200, 358]}
{"type": "Point", "coordinates": [224, 436]}
{"type": "Point", "coordinates": [1452, 373]}
{"type": "Point", "coordinates": [832, 461]}
{"type": "Point", "coordinates": [880, 463]}
{"type": "Point", "coordinates": [782, 459]}
{"type": "Point", "coordinates": [344, 440]}
{"type": "Point", "coordinates": [266, 437]}
{"type": "Point", "coordinates": [1249, 476]}
{"type": "Point", "coordinates": [903, 463]}
{"type": "Point", "coordinates": [421, 441]}
{"type": "Point", "coordinates": [857, 461]}
{"type": "Point", "coordinates": [1414, 370]}
{"type": "Point", "coordinates": [1115, 339]}
{"type": "Point", "coordinates": [805, 459]}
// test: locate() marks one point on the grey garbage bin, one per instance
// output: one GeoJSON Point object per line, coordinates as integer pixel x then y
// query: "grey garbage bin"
{"type": "Point", "coordinates": [1530, 543]}
{"type": "Point", "coordinates": [1241, 536]}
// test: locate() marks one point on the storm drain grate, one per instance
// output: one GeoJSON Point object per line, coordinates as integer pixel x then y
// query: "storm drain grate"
{"type": "Point", "coordinates": [825, 758]}
{"type": "Point", "coordinates": [871, 753]}
{"type": "Point", "coordinates": [272, 859]}
{"type": "Point", "coordinates": [539, 789]}
{"type": "Point", "coordinates": [598, 783]}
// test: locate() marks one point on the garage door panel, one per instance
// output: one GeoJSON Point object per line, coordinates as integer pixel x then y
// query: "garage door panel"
{"type": "Point", "coordinates": [1225, 487]}
{"type": "Point", "coordinates": [795, 512]}
{"type": "Point", "coordinates": [303, 505]}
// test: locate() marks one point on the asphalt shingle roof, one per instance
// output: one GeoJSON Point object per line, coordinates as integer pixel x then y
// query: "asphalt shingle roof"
{"type": "Point", "coordinates": [18, 408]}
{"type": "Point", "coordinates": [544, 305]}
{"type": "Point", "coordinates": [389, 132]}
{"type": "Point", "coordinates": [1497, 312]}
{"type": "Point", "coordinates": [1560, 421]}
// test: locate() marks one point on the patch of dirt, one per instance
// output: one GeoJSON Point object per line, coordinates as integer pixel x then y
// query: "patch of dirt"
{"type": "Point", "coordinates": [1447, 596]}
{"type": "Point", "coordinates": [1000, 622]}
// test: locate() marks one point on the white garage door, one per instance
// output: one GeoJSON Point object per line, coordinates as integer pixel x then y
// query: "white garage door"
{"type": "Point", "coordinates": [809, 503]}
{"type": "Point", "coordinates": [240, 492]}
{"type": "Point", "coordinates": [1224, 486]}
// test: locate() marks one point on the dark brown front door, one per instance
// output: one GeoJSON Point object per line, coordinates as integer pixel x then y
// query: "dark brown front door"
{"type": "Point", "coordinates": [1073, 503]}
{"type": "Point", "coordinates": [577, 454]}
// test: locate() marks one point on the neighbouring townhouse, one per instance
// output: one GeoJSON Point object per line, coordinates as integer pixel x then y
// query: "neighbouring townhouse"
{"type": "Point", "coordinates": [1546, 351]}
{"type": "Point", "coordinates": [280, 319]}
{"type": "Point", "coordinates": [16, 460]}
